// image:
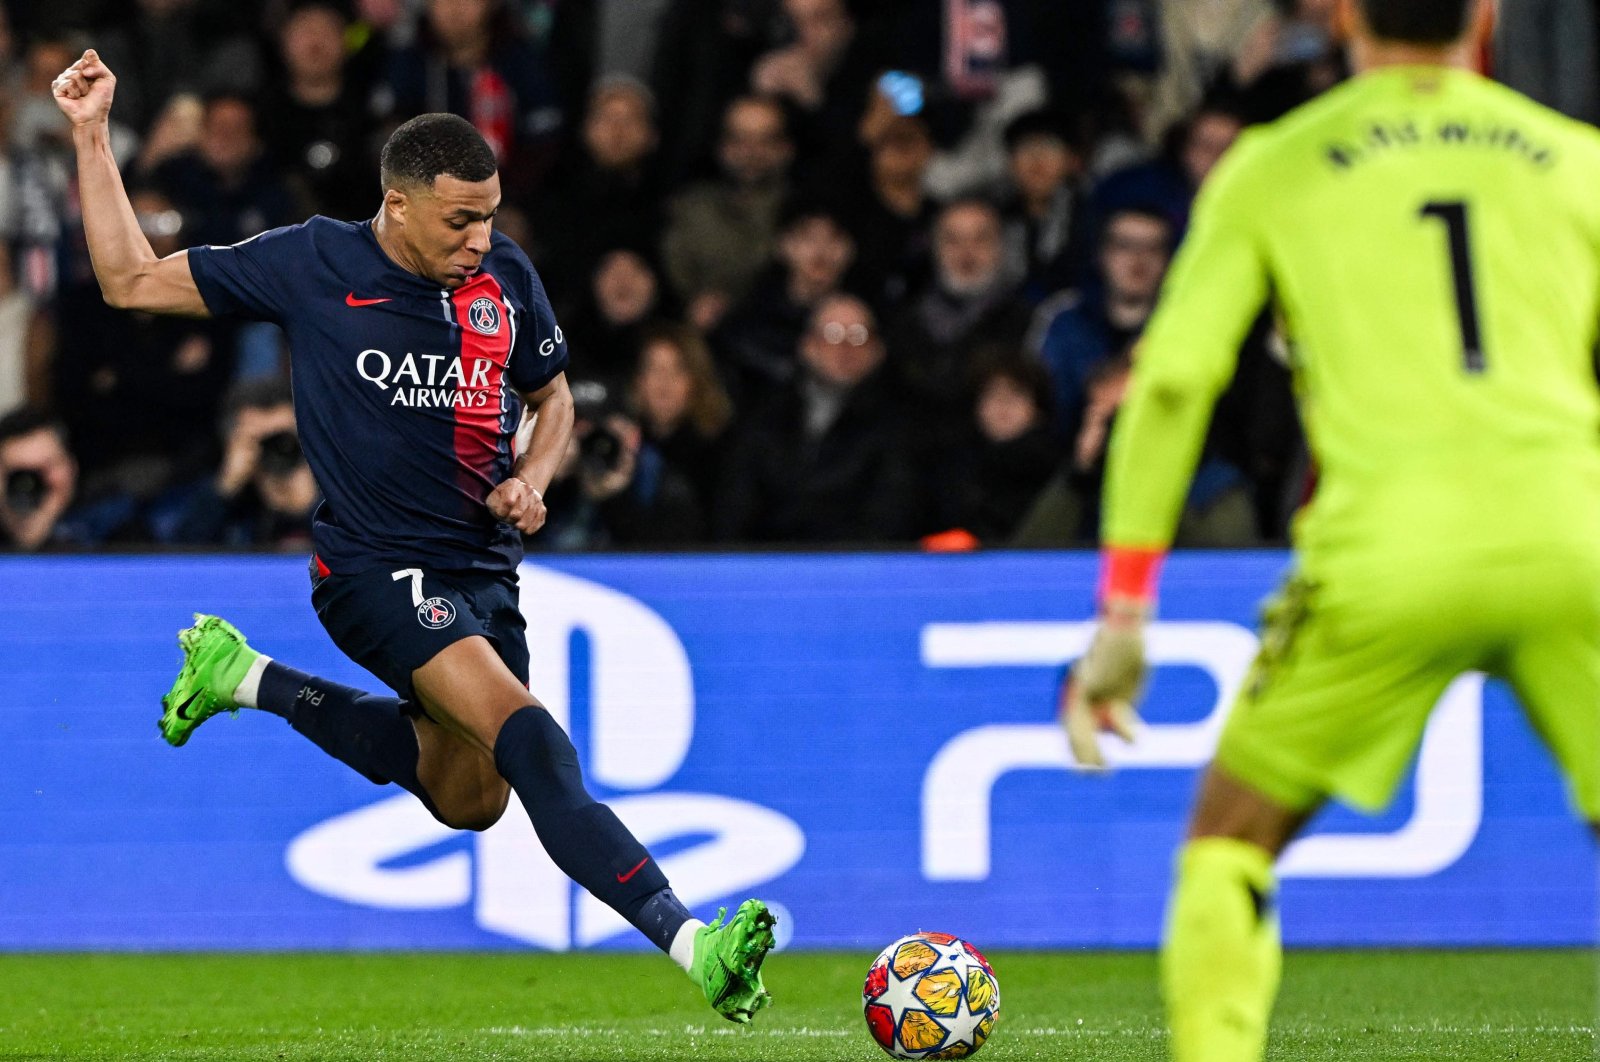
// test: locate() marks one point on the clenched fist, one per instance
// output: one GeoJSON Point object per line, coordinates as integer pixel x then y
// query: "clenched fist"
{"type": "Point", "coordinates": [83, 90]}
{"type": "Point", "coordinates": [514, 502]}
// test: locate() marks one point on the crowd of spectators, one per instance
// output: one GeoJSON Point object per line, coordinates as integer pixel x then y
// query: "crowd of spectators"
{"type": "Point", "coordinates": [832, 272]}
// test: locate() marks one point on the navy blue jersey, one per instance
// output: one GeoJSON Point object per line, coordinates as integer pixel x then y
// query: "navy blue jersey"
{"type": "Point", "coordinates": [407, 395]}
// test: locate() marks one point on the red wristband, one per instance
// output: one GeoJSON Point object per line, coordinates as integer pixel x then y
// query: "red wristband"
{"type": "Point", "coordinates": [1129, 572]}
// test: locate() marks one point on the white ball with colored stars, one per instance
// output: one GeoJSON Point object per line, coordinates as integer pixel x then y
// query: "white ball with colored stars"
{"type": "Point", "coordinates": [931, 995]}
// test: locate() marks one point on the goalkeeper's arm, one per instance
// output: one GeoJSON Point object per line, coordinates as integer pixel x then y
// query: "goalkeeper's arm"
{"type": "Point", "coordinates": [1154, 450]}
{"type": "Point", "coordinates": [1217, 286]}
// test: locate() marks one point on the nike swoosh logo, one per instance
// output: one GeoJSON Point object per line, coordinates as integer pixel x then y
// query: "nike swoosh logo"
{"type": "Point", "coordinates": [622, 878]}
{"type": "Point", "coordinates": [183, 709]}
{"type": "Point", "coordinates": [351, 300]}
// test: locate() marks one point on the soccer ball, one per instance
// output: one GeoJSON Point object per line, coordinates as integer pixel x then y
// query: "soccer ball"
{"type": "Point", "coordinates": [931, 995]}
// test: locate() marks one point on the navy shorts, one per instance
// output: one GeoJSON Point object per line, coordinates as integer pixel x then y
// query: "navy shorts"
{"type": "Point", "coordinates": [391, 623]}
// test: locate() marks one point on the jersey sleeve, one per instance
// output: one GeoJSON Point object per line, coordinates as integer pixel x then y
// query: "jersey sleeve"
{"type": "Point", "coordinates": [1216, 287]}
{"type": "Point", "coordinates": [539, 353]}
{"type": "Point", "coordinates": [251, 279]}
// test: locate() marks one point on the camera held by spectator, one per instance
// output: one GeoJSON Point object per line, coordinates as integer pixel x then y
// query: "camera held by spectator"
{"type": "Point", "coordinates": [607, 441]}
{"type": "Point", "coordinates": [264, 493]}
{"type": "Point", "coordinates": [40, 503]}
{"type": "Point", "coordinates": [613, 488]}
{"type": "Point", "coordinates": [41, 478]}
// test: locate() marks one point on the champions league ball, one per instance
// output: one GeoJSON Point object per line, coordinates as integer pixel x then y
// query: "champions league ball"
{"type": "Point", "coordinates": [931, 995]}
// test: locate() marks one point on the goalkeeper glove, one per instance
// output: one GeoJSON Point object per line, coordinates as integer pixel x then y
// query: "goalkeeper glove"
{"type": "Point", "coordinates": [1104, 685]}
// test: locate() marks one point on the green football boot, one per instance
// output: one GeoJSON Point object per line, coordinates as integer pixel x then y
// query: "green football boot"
{"type": "Point", "coordinates": [215, 659]}
{"type": "Point", "coordinates": [727, 960]}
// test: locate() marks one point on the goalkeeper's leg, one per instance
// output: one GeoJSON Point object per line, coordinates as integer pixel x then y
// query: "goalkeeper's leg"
{"type": "Point", "coordinates": [1221, 956]}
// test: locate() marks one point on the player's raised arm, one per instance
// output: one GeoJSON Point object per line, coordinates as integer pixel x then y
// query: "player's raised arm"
{"type": "Point", "coordinates": [131, 276]}
{"type": "Point", "coordinates": [519, 501]}
{"type": "Point", "coordinates": [1215, 290]}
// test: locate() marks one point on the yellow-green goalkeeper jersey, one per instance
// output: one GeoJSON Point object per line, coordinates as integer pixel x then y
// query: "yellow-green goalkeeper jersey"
{"type": "Point", "coordinates": [1430, 241]}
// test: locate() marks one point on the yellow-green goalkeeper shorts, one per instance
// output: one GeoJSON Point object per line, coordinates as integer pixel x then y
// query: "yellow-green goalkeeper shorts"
{"type": "Point", "coordinates": [1354, 658]}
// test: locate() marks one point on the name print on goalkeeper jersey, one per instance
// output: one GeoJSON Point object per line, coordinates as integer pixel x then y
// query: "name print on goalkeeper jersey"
{"type": "Point", "coordinates": [408, 395]}
{"type": "Point", "coordinates": [1383, 136]}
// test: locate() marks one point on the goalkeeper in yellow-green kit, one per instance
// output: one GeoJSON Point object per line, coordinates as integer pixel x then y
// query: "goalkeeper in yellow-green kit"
{"type": "Point", "coordinates": [1430, 241]}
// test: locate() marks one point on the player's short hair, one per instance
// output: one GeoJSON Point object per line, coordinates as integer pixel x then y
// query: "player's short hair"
{"type": "Point", "coordinates": [435, 145]}
{"type": "Point", "coordinates": [1417, 21]}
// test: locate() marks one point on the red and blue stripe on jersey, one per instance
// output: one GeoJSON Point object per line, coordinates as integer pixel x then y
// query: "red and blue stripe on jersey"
{"type": "Point", "coordinates": [483, 433]}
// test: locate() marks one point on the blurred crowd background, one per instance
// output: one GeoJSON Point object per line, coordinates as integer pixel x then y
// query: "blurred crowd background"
{"type": "Point", "coordinates": [833, 273]}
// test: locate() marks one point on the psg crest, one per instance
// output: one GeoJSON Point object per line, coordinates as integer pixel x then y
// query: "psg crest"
{"type": "Point", "coordinates": [436, 613]}
{"type": "Point", "coordinates": [484, 316]}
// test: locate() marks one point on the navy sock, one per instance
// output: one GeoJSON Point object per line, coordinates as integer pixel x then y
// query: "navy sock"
{"type": "Point", "coordinates": [369, 733]}
{"type": "Point", "coordinates": [583, 837]}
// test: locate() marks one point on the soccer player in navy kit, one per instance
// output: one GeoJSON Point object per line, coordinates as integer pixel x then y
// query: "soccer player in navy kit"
{"type": "Point", "coordinates": [417, 339]}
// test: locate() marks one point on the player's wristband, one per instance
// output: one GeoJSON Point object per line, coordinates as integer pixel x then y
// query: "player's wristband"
{"type": "Point", "coordinates": [1127, 573]}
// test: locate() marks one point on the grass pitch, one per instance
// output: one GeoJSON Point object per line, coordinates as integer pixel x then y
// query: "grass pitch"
{"type": "Point", "coordinates": [1335, 1007]}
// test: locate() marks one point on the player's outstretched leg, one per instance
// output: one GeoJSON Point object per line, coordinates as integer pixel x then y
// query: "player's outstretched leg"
{"type": "Point", "coordinates": [221, 673]}
{"type": "Point", "coordinates": [595, 849]}
{"type": "Point", "coordinates": [727, 960]}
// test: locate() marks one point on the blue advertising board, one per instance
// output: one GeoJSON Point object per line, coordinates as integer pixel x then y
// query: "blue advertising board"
{"type": "Point", "coordinates": [866, 740]}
